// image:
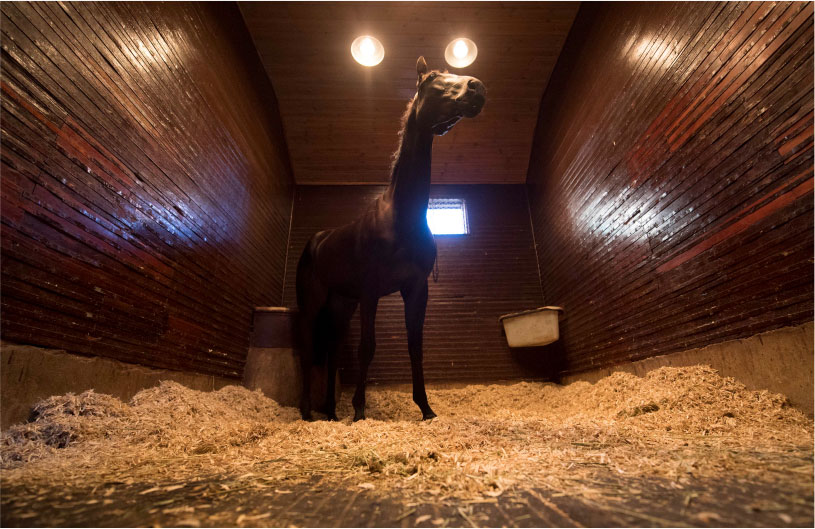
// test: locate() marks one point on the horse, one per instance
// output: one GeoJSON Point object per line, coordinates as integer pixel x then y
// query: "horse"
{"type": "Point", "coordinates": [389, 248]}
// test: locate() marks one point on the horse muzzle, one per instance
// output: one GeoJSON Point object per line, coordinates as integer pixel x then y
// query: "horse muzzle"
{"type": "Point", "coordinates": [472, 101]}
{"type": "Point", "coordinates": [473, 106]}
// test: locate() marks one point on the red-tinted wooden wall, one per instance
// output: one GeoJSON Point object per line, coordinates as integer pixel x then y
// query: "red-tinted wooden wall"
{"type": "Point", "coordinates": [146, 189]}
{"type": "Point", "coordinates": [490, 272]}
{"type": "Point", "coordinates": [671, 177]}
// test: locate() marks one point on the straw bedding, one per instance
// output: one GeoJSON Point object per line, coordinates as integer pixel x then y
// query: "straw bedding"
{"type": "Point", "coordinates": [678, 423]}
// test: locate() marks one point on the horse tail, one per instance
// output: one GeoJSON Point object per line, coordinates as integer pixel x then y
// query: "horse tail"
{"type": "Point", "coordinates": [304, 278]}
{"type": "Point", "coordinates": [306, 283]}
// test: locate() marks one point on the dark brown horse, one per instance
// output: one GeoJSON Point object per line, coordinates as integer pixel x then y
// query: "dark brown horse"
{"type": "Point", "coordinates": [388, 249]}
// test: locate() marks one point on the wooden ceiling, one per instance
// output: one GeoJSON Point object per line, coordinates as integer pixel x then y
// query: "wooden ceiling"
{"type": "Point", "coordinates": [341, 118]}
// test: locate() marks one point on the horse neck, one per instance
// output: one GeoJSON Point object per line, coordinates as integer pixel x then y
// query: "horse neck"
{"type": "Point", "coordinates": [409, 189]}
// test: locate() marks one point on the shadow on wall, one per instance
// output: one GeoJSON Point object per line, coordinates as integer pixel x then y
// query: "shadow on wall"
{"type": "Point", "coordinates": [544, 362]}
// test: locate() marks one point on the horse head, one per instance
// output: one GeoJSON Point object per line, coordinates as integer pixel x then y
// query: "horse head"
{"type": "Point", "coordinates": [443, 98]}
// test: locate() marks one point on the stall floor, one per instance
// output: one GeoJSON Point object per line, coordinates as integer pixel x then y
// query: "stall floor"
{"type": "Point", "coordinates": [224, 502]}
{"type": "Point", "coordinates": [678, 447]}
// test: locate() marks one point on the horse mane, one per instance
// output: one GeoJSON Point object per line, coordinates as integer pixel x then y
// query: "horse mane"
{"type": "Point", "coordinates": [403, 126]}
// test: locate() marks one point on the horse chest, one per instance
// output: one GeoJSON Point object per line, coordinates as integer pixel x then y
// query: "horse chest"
{"type": "Point", "coordinates": [396, 264]}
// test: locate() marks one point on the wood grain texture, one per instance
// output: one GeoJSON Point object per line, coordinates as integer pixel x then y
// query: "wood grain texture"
{"type": "Point", "coordinates": [671, 177]}
{"type": "Point", "coordinates": [341, 118]}
{"type": "Point", "coordinates": [490, 272]}
{"type": "Point", "coordinates": [146, 187]}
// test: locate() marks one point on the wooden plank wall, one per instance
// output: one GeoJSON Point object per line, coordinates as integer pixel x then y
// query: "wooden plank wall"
{"type": "Point", "coordinates": [671, 177]}
{"type": "Point", "coordinates": [490, 272]}
{"type": "Point", "coordinates": [146, 188]}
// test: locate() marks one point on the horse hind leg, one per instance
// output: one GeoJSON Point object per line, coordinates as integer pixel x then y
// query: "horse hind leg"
{"type": "Point", "coordinates": [341, 311]}
{"type": "Point", "coordinates": [367, 346]}
{"type": "Point", "coordinates": [306, 326]}
{"type": "Point", "coordinates": [310, 299]}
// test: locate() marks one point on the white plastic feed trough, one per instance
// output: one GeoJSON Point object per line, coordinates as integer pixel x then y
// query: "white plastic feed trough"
{"type": "Point", "coordinates": [532, 328]}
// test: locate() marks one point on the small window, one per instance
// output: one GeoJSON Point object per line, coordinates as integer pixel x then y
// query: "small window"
{"type": "Point", "coordinates": [447, 216]}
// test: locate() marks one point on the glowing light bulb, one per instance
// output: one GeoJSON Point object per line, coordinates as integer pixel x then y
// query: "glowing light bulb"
{"type": "Point", "coordinates": [366, 47]}
{"type": "Point", "coordinates": [460, 49]}
{"type": "Point", "coordinates": [367, 51]}
{"type": "Point", "coordinates": [460, 52]}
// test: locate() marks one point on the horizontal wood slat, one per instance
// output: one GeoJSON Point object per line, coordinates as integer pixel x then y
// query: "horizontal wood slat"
{"type": "Point", "coordinates": [146, 188]}
{"type": "Point", "coordinates": [671, 176]}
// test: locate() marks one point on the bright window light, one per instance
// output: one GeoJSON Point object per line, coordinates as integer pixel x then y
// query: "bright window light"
{"type": "Point", "coordinates": [447, 216]}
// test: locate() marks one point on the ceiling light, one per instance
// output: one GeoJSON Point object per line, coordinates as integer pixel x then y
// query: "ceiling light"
{"type": "Point", "coordinates": [460, 49]}
{"type": "Point", "coordinates": [460, 52]}
{"type": "Point", "coordinates": [367, 50]}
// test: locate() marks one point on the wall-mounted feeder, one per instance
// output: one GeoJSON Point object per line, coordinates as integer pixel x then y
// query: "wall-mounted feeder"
{"type": "Point", "coordinates": [532, 328]}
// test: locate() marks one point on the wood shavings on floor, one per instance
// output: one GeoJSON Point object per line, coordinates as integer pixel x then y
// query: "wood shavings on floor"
{"type": "Point", "coordinates": [674, 423]}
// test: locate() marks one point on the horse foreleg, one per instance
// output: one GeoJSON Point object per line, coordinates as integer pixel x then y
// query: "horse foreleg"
{"type": "Point", "coordinates": [367, 346]}
{"type": "Point", "coordinates": [415, 298]}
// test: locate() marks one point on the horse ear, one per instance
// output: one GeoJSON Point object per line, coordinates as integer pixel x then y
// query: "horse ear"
{"type": "Point", "coordinates": [421, 66]}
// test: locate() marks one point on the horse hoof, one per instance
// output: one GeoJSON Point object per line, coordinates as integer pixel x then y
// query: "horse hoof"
{"type": "Point", "coordinates": [307, 417]}
{"type": "Point", "coordinates": [359, 417]}
{"type": "Point", "coordinates": [331, 417]}
{"type": "Point", "coordinates": [429, 415]}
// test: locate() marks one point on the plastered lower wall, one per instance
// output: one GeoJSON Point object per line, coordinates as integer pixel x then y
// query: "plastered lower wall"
{"type": "Point", "coordinates": [29, 374]}
{"type": "Point", "coordinates": [780, 361]}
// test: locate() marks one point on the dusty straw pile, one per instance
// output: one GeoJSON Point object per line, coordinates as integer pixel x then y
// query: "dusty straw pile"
{"type": "Point", "coordinates": [675, 423]}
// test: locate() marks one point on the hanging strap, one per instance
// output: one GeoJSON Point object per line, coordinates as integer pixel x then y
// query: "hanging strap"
{"type": "Point", "coordinates": [436, 262]}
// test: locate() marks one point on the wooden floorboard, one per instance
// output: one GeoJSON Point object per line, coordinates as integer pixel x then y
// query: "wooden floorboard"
{"type": "Point", "coordinates": [606, 500]}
